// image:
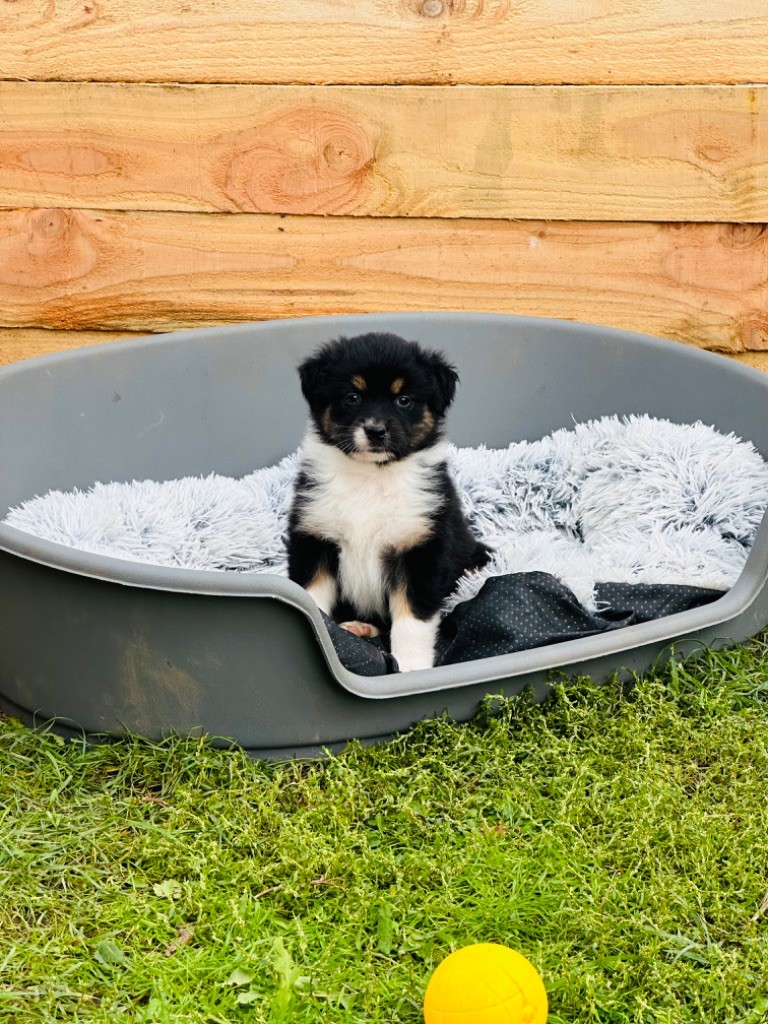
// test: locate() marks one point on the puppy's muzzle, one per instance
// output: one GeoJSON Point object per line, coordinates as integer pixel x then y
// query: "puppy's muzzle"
{"type": "Point", "coordinates": [375, 433]}
{"type": "Point", "coordinates": [371, 441]}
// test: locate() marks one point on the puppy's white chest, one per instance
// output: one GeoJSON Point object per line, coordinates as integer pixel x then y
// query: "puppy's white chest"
{"type": "Point", "coordinates": [369, 511]}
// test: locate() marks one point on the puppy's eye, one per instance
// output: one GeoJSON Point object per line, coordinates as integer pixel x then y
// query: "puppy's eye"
{"type": "Point", "coordinates": [403, 401]}
{"type": "Point", "coordinates": [352, 398]}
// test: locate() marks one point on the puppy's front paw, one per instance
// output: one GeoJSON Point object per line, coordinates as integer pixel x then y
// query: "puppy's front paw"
{"type": "Point", "coordinates": [411, 663]}
{"type": "Point", "coordinates": [413, 643]}
{"type": "Point", "coordinates": [364, 629]}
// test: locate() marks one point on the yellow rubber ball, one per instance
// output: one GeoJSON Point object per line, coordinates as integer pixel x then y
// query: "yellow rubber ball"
{"type": "Point", "coordinates": [485, 984]}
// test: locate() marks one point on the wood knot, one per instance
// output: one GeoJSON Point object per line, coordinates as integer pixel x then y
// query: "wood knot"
{"type": "Point", "coordinates": [47, 248]}
{"type": "Point", "coordinates": [489, 12]}
{"type": "Point", "coordinates": [305, 160]}
{"type": "Point", "coordinates": [47, 226]}
{"type": "Point", "coordinates": [741, 236]}
{"type": "Point", "coordinates": [754, 331]}
{"type": "Point", "coordinates": [341, 157]}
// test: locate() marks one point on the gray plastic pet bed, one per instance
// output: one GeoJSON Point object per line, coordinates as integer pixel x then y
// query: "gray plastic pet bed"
{"type": "Point", "coordinates": [109, 646]}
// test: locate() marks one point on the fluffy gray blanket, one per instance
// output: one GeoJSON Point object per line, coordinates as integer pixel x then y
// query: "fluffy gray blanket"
{"type": "Point", "coordinates": [632, 500]}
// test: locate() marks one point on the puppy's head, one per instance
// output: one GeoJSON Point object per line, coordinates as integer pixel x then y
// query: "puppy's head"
{"type": "Point", "coordinates": [377, 397]}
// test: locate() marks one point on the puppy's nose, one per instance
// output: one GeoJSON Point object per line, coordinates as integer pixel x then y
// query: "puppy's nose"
{"type": "Point", "coordinates": [375, 431]}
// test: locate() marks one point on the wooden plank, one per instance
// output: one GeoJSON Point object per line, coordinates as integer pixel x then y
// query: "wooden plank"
{"type": "Point", "coordinates": [388, 41]}
{"type": "Point", "coordinates": [25, 343]}
{"type": "Point", "coordinates": [703, 283]}
{"type": "Point", "coordinates": [563, 153]}
{"type": "Point", "coordinates": [758, 360]}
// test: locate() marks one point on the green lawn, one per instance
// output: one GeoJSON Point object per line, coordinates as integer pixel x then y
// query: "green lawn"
{"type": "Point", "coordinates": [619, 840]}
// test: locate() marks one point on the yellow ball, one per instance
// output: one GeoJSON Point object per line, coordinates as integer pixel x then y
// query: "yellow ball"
{"type": "Point", "coordinates": [485, 984]}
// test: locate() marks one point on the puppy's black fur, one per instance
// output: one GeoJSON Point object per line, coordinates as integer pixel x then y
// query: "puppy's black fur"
{"type": "Point", "coordinates": [377, 404]}
{"type": "Point", "coordinates": [379, 360]}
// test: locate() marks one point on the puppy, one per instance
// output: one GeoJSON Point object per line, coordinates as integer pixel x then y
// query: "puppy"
{"type": "Point", "coordinates": [376, 531]}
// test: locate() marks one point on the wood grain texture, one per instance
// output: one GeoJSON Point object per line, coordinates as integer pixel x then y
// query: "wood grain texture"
{"type": "Point", "coordinates": [702, 283]}
{"type": "Point", "coordinates": [563, 153]}
{"type": "Point", "coordinates": [25, 342]}
{"type": "Point", "coordinates": [757, 360]}
{"type": "Point", "coordinates": [387, 41]}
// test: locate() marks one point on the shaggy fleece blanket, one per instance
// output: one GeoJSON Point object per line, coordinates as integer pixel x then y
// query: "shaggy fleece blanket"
{"type": "Point", "coordinates": [633, 500]}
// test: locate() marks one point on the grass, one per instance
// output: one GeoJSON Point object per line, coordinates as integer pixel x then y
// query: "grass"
{"type": "Point", "coordinates": [619, 840]}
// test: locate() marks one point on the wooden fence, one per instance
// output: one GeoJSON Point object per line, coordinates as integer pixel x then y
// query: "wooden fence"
{"type": "Point", "coordinates": [166, 166]}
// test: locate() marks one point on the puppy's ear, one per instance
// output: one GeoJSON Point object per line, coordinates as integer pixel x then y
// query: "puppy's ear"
{"type": "Point", "coordinates": [446, 378]}
{"type": "Point", "coordinates": [312, 373]}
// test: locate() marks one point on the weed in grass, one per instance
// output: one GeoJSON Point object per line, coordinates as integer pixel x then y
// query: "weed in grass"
{"type": "Point", "coordinates": [619, 843]}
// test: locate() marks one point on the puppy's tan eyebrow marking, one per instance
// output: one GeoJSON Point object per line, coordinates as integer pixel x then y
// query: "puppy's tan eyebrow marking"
{"type": "Point", "coordinates": [397, 386]}
{"type": "Point", "coordinates": [360, 382]}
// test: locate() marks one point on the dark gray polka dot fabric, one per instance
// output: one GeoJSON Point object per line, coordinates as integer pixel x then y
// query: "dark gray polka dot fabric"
{"type": "Point", "coordinates": [525, 610]}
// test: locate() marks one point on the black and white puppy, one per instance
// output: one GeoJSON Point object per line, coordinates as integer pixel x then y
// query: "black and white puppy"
{"type": "Point", "coordinates": [376, 531]}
